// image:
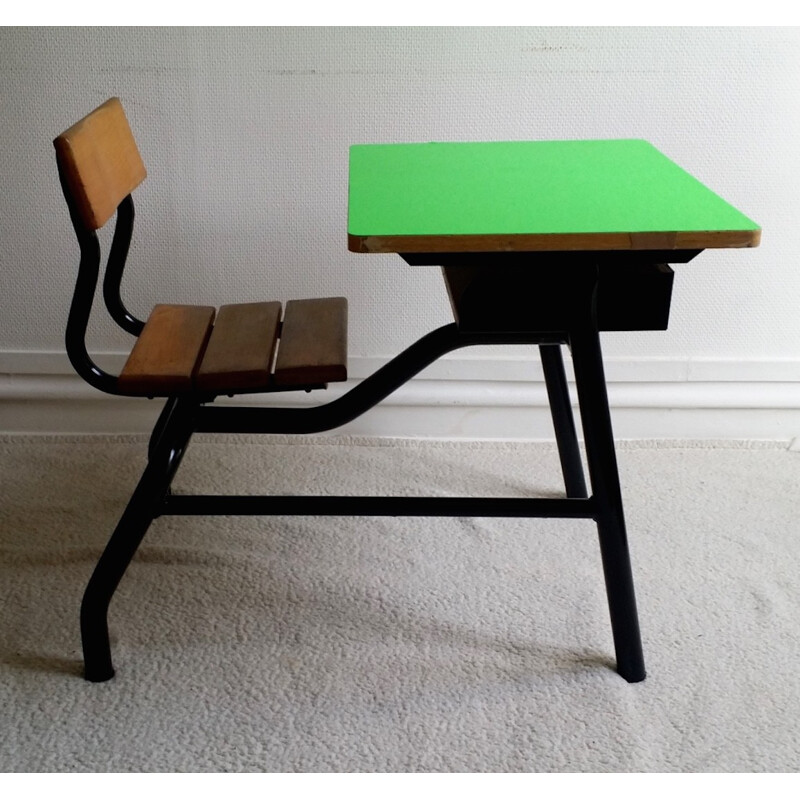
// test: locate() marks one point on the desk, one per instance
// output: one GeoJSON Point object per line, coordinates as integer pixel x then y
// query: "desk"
{"type": "Point", "coordinates": [549, 243]}
{"type": "Point", "coordinates": [543, 243]}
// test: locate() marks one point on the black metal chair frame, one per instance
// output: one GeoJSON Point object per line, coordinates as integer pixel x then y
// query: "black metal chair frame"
{"type": "Point", "coordinates": [184, 415]}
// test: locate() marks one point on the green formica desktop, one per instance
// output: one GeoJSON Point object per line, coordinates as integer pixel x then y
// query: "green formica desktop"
{"type": "Point", "coordinates": [613, 194]}
{"type": "Point", "coordinates": [550, 243]}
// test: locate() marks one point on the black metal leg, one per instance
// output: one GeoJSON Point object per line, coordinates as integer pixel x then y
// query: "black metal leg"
{"type": "Point", "coordinates": [142, 508]}
{"type": "Point", "coordinates": [598, 435]}
{"type": "Point", "coordinates": [563, 421]}
{"type": "Point", "coordinates": [161, 424]}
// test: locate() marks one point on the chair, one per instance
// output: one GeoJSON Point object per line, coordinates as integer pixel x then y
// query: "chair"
{"type": "Point", "coordinates": [187, 354]}
{"type": "Point", "coordinates": [190, 355]}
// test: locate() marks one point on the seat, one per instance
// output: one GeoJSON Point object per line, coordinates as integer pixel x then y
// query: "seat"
{"type": "Point", "coordinates": [185, 353]}
{"type": "Point", "coordinates": [196, 349]}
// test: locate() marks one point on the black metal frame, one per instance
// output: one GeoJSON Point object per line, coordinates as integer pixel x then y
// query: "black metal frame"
{"type": "Point", "coordinates": [184, 415]}
{"type": "Point", "coordinates": [86, 284]}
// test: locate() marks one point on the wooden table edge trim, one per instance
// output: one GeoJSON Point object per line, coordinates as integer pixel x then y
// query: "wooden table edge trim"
{"type": "Point", "coordinates": [487, 243]}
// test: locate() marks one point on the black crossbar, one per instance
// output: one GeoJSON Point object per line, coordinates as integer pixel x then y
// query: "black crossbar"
{"type": "Point", "coordinates": [293, 505]}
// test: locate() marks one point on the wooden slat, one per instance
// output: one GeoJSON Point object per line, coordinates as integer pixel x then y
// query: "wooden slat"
{"type": "Point", "coordinates": [100, 162]}
{"type": "Point", "coordinates": [168, 351]}
{"type": "Point", "coordinates": [242, 345]}
{"type": "Point", "coordinates": [313, 344]}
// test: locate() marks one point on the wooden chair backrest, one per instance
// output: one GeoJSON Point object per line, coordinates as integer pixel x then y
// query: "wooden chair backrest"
{"type": "Point", "coordinates": [100, 162]}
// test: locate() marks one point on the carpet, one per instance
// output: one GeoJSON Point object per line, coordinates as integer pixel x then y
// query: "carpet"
{"type": "Point", "coordinates": [401, 644]}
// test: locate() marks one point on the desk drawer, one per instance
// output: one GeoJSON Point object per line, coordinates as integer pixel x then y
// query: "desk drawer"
{"type": "Point", "coordinates": [631, 297]}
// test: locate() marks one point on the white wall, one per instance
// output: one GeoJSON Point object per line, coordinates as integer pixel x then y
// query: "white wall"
{"type": "Point", "coordinates": [245, 133]}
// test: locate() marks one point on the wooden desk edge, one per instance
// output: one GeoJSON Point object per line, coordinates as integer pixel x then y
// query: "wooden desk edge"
{"type": "Point", "coordinates": [657, 240]}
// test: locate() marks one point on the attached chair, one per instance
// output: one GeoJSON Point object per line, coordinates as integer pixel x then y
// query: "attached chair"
{"type": "Point", "coordinates": [190, 355]}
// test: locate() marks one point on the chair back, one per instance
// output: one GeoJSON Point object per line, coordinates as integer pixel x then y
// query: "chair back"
{"type": "Point", "coordinates": [100, 163]}
{"type": "Point", "coordinates": [99, 166]}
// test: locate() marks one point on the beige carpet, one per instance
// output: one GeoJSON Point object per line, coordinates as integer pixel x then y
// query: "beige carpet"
{"type": "Point", "coordinates": [302, 644]}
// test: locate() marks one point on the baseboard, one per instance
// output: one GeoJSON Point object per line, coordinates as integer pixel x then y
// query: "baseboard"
{"type": "Point", "coordinates": [515, 363]}
{"type": "Point", "coordinates": [472, 398]}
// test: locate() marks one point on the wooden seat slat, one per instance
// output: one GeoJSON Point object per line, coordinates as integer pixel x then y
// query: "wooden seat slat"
{"type": "Point", "coordinates": [241, 348]}
{"type": "Point", "coordinates": [313, 343]}
{"type": "Point", "coordinates": [168, 351]}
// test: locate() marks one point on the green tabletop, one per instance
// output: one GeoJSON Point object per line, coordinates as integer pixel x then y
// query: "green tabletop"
{"type": "Point", "coordinates": [612, 194]}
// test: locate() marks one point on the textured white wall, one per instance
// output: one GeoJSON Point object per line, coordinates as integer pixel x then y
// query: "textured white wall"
{"type": "Point", "coordinates": [245, 133]}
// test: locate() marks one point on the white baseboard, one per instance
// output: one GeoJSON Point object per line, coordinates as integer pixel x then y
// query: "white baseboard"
{"type": "Point", "coordinates": [472, 398]}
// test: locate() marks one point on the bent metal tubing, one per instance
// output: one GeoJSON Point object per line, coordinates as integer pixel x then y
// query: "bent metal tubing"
{"type": "Point", "coordinates": [360, 399]}
{"type": "Point", "coordinates": [182, 416]}
{"type": "Point", "coordinates": [153, 486]}
{"type": "Point", "coordinates": [368, 393]}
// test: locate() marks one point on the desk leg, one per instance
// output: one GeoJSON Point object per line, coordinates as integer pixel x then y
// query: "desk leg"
{"type": "Point", "coordinates": [598, 435]}
{"type": "Point", "coordinates": [563, 422]}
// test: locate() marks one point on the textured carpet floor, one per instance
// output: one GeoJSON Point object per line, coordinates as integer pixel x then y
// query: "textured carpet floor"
{"type": "Point", "coordinates": [301, 644]}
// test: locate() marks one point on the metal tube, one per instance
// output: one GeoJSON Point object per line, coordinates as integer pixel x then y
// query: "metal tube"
{"type": "Point", "coordinates": [112, 279]}
{"type": "Point", "coordinates": [261, 505]}
{"type": "Point", "coordinates": [368, 393]}
{"type": "Point", "coordinates": [127, 536]}
{"type": "Point", "coordinates": [599, 439]}
{"type": "Point", "coordinates": [563, 422]}
{"type": "Point", "coordinates": [82, 299]}
{"type": "Point", "coordinates": [161, 425]}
